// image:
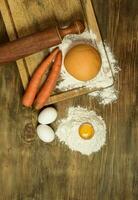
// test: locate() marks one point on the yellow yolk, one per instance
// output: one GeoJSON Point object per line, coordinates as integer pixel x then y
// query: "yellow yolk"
{"type": "Point", "coordinates": [86, 131]}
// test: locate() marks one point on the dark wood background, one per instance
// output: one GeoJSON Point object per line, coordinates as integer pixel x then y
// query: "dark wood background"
{"type": "Point", "coordinates": [38, 171]}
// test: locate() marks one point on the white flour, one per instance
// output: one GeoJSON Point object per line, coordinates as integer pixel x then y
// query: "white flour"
{"type": "Point", "coordinates": [105, 77]}
{"type": "Point", "coordinates": [105, 96]}
{"type": "Point", "coordinates": [67, 131]}
{"type": "Point", "coordinates": [109, 94]}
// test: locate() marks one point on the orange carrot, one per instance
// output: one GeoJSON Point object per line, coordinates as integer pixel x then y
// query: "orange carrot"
{"type": "Point", "coordinates": [34, 83]}
{"type": "Point", "coordinates": [50, 83]}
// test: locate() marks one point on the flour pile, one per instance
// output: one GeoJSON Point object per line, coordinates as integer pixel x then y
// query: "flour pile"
{"type": "Point", "coordinates": [68, 128]}
{"type": "Point", "coordinates": [105, 77]}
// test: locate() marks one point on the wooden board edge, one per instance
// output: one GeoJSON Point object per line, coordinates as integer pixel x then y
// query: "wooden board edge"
{"type": "Point", "coordinates": [93, 25]}
{"type": "Point", "coordinates": [90, 14]}
{"type": "Point", "coordinates": [69, 94]}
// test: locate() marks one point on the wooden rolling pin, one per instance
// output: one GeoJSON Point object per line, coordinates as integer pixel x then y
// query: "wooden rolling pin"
{"type": "Point", "coordinates": [36, 42]}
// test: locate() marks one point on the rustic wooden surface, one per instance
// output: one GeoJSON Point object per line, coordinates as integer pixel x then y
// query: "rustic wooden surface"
{"type": "Point", "coordinates": [38, 171]}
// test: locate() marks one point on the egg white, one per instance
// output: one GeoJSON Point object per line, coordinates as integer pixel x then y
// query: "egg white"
{"type": "Point", "coordinates": [68, 131]}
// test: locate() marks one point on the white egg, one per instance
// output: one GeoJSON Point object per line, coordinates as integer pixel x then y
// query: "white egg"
{"type": "Point", "coordinates": [47, 116]}
{"type": "Point", "coordinates": [45, 133]}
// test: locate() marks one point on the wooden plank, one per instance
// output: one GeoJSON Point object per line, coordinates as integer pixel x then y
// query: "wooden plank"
{"type": "Point", "coordinates": [66, 11]}
{"type": "Point", "coordinates": [89, 12]}
{"type": "Point", "coordinates": [69, 94]}
{"type": "Point", "coordinates": [23, 70]}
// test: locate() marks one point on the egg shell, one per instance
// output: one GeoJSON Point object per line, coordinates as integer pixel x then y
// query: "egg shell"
{"type": "Point", "coordinates": [45, 133]}
{"type": "Point", "coordinates": [47, 116]}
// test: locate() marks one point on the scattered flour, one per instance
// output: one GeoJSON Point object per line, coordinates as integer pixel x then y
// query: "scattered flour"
{"type": "Point", "coordinates": [109, 94]}
{"type": "Point", "coordinates": [104, 79]}
{"type": "Point", "coordinates": [105, 96]}
{"type": "Point", "coordinates": [67, 131]}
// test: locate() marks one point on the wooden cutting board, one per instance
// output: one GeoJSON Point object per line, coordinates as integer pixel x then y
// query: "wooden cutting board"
{"type": "Point", "coordinates": [24, 17]}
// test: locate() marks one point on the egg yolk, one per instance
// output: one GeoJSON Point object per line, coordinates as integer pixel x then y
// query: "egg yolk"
{"type": "Point", "coordinates": [86, 131]}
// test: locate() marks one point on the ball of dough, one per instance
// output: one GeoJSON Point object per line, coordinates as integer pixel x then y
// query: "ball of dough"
{"type": "Point", "coordinates": [83, 62]}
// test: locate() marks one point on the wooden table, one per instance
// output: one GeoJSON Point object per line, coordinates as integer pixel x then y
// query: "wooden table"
{"type": "Point", "coordinates": [38, 171]}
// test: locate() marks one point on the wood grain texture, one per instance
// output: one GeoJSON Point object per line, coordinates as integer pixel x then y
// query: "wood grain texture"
{"type": "Point", "coordinates": [38, 171]}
